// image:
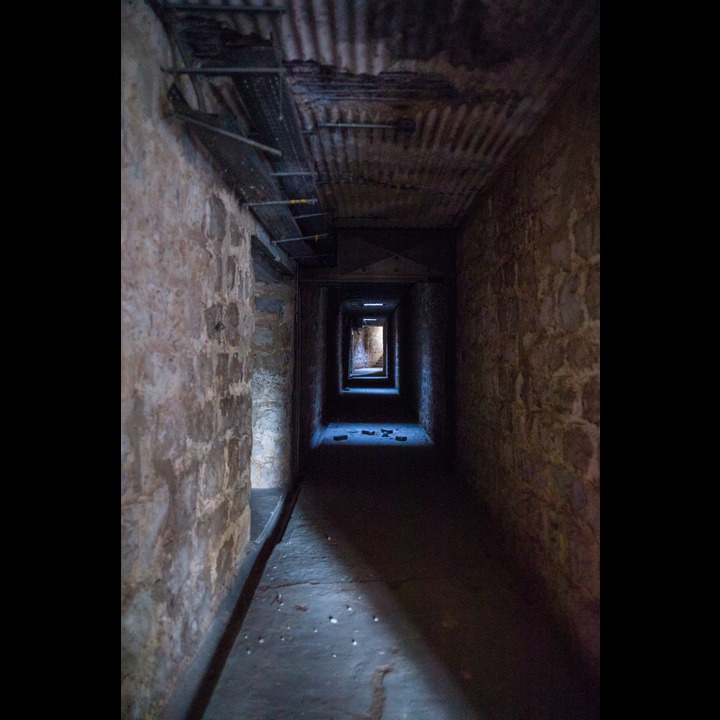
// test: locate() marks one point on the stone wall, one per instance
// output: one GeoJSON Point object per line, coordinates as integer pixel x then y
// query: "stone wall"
{"type": "Point", "coordinates": [187, 330]}
{"type": "Point", "coordinates": [397, 324]}
{"type": "Point", "coordinates": [334, 347]}
{"type": "Point", "coordinates": [424, 344]}
{"type": "Point", "coordinates": [272, 381]}
{"type": "Point", "coordinates": [391, 338]}
{"type": "Point", "coordinates": [313, 363]}
{"type": "Point", "coordinates": [528, 374]}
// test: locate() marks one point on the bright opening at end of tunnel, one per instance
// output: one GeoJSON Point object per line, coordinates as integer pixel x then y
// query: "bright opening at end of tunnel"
{"type": "Point", "coordinates": [368, 352]}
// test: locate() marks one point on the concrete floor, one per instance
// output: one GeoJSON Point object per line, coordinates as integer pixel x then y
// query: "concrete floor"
{"type": "Point", "coordinates": [388, 598]}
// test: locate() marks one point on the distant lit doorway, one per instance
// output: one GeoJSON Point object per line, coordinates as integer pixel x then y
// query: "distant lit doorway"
{"type": "Point", "coordinates": [368, 352]}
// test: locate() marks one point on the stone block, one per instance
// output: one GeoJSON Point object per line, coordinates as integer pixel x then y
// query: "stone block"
{"type": "Point", "coordinates": [506, 419]}
{"type": "Point", "coordinates": [216, 218]}
{"type": "Point", "coordinates": [221, 370]}
{"type": "Point", "coordinates": [591, 400]}
{"type": "Point", "coordinates": [577, 448]}
{"type": "Point", "coordinates": [194, 316]}
{"type": "Point", "coordinates": [214, 324]}
{"type": "Point", "coordinates": [497, 282]}
{"type": "Point", "coordinates": [556, 172]}
{"type": "Point", "coordinates": [230, 273]}
{"type": "Point", "coordinates": [204, 369]}
{"type": "Point", "coordinates": [509, 273]}
{"type": "Point", "coordinates": [583, 353]}
{"type": "Point", "coordinates": [508, 315]}
{"type": "Point", "coordinates": [570, 304]}
{"type": "Point", "coordinates": [218, 283]}
{"type": "Point", "coordinates": [560, 255]}
{"type": "Point", "coordinates": [563, 393]}
{"type": "Point", "coordinates": [507, 379]}
{"type": "Point", "coordinates": [592, 293]}
{"type": "Point", "coordinates": [203, 422]}
{"type": "Point", "coordinates": [552, 218]}
{"type": "Point", "coordinates": [224, 561]}
{"type": "Point", "coordinates": [217, 524]}
{"type": "Point", "coordinates": [213, 471]}
{"type": "Point", "coordinates": [176, 569]}
{"type": "Point", "coordinates": [129, 540]}
{"type": "Point", "coordinates": [137, 624]}
{"type": "Point", "coordinates": [263, 338]}
{"type": "Point", "coordinates": [183, 502]}
{"type": "Point", "coordinates": [235, 412]}
{"type": "Point", "coordinates": [236, 370]}
{"type": "Point", "coordinates": [235, 234]}
{"type": "Point", "coordinates": [153, 518]}
{"type": "Point", "coordinates": [578, 495]}
{"type": "Point", "coordinates": [238, 458]}
{"type": "Point", "coordinates": [546, 315]}
{"type": "Point", "coordinates": [233, 332]}
{"type": "Point", "coordinates": [272, 305]}
{"type": "Point", "coordinates": [587, 236]}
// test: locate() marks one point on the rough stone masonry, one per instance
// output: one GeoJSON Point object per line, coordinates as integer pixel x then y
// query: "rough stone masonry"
{"type": "Point", "coordinates": [188, 326]}
{"type": "Point", "coordinates": [528, 358]}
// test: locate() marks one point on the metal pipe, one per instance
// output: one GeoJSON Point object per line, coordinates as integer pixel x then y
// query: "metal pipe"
{"type": "Point", "coordinates": [283, 202]}
{"type": "Point", "coordinates": [225, 70]}
{"type": "Point", "coordinates": [403, 125]}
{"type": "Point", "coordinates": [226, 133]}
{"type": "Point", "coordinates": [302, 217]}
{"type": "Point", "coordinates": [297, 380]}
{"type": "Point", "coordinates": [191, 7]}
{"type": "Point", "coordinates": [352, 125]}
{"type": "Point", "coordinates": [302, 237]}
{"type": "Point", "coordinates": [185, 56]}
{"type": "Point", "coordinates": [361, 219]}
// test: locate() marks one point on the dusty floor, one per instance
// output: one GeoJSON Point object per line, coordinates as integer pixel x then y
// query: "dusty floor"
{"type": "Point", "coordinates": [388, 598]}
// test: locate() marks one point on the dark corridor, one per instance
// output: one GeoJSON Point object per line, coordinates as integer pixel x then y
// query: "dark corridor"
{"type": "Point", "coordinates": [299, 540]}
{"type": "Point", "coordinates": [389, 597]}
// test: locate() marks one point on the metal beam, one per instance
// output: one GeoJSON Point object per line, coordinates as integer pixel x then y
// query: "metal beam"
{"type": "Point", "coordinates": [302, 201]}
{"type": "Point", "coordinates": [302, 237]}
{"type": "Point", "coordinates": [191, 7]}
{"type": "Point", "coordinates": [225, 70]}
{"type": "Point", "coordinates": [352, 125]}
{"type": "Point", "coordinates": [226, 133]}
{"type": "Point", "coordinates": [303, 217]}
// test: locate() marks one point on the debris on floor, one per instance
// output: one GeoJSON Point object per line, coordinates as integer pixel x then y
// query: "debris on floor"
{"type": "Point", "coordinates": [402, 438]}
{"type": "Point", "coordinates": [368, 432]}
{"type": "Point", "coordinates": [340, 437]}
{"type": "Point", "coordinates": [385, 431]}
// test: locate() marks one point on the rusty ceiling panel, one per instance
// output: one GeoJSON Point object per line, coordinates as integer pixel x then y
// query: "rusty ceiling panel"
{"type": "Point", "coordinates": [448, 89]}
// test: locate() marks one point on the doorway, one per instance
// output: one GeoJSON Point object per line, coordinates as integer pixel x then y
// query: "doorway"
{"type": "Point", "coordinates": [368, 349]}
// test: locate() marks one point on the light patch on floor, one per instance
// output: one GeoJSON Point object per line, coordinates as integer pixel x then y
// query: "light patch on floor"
{"type": "Point", "coordinates": [410, 434]}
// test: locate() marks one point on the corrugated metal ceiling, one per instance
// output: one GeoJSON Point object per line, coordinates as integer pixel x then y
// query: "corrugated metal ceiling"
{"type": "Point", "coordinates": [456, 85]}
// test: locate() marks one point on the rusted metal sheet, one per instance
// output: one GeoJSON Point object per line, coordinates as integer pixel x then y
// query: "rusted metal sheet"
{"type": "Point", "coordinates": [404, 109]}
